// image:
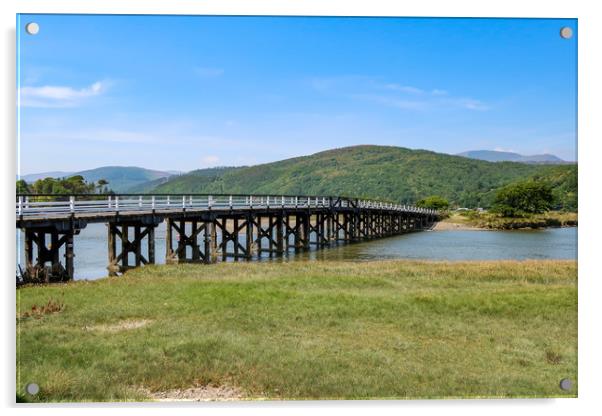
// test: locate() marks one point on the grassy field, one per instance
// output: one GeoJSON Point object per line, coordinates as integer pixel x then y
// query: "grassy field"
{"type": "Point", "coordinates": [493, 221]}
{"type": "Point", "coordinates": [305, 330]}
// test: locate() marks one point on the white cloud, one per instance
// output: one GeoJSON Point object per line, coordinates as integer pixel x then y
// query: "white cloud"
{"type": "Point", "coordinates": [392, 101]}
{"type": "Point", "coordinates": [208, 72]}
{"type": "Point", "coordinates": [398, 95]}
{"type": "Point", "coordinates": [405, 89]}
{"type": "Point", "coordinates": [438, 92]}
{"type": "Point", "coordinates": [209, 161]}
{"type": "Point", "coordinates": [469, 103]}
{"type": "Point", "coordinates": [58, 96]}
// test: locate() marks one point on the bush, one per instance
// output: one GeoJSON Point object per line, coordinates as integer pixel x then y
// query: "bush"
{"type": "Point", "coordinates": [523, 198]}
{"type": "Point", "coordinates": [434, 202]}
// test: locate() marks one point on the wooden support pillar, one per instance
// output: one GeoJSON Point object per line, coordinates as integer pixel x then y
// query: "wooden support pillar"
{"type": "Point", "coordinates": [271, 234]}
{"type": "Point", "coordinates": [181, 251]}
{"type": "Point", "coordinates": [287, 234]}
{"type": "Point", "coordinates": [151, 245]}
{"type": "Point", "coordinates": [207, 242]}
{"type": "Point", "coordinates": [112, 250]}
{"type": "Point", "coordinates": [54, 242]}
{"type": "Point", "coordinates": [69, 256]}
{"type": "Point", "coordinates": [305, 231]}
{"type": "Point", "coordinates": [319, 230]}
{"type": "Point", "coordinates": [279, 234]}
{"type": "Point", "coordinates": [47, 266]}
{"type": "Point", "coordinates": [125, 247]}
{"type": "Point", "coordinates": [196, 249]}
{"type": "Point", "coordinates": [28, 249]}
{"type": "Point", "coordinates": [249, 237]}
{"type": "Point", "coordinates": [235, 239]}
{"type": "Point", "coordinates": [213, 250]}
{"type": "Point", "coordinates": [137, 246]}
{"type": "Point", "coordinates": [169, 254]}
{"type": "Point", "coordinates": [355, 225]}
{"type": "Point", "coordinates": [119, 261]}
{"type": "Point", "coordinates": [259, 235]}
{"type": "Point", "coordinates": [224, 243]}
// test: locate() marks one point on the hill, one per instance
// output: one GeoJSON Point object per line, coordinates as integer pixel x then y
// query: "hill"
{"type": "Point", "coordinates": [496, 156]}
{"type": "Point", "coordinates": [32, 177]}
{"type": "Point", "coordinates": [197, 181]}
{"type": "Point", "coordinates": [192, 182]}
{"type": "Point", "coordinates": [383, 172]}
{"type": "Point", "coordinates": [120, 178]}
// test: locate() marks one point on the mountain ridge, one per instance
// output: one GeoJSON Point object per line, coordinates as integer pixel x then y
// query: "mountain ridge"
{"type": "Point", "coordinates": [381, 172]}
{"type": "Point", "coordinates": [502, 156]}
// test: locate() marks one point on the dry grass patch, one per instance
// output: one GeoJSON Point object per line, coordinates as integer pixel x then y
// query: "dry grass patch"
{"type": "Point", "coordinates": [124, 325]}
{"type": "Point", "coordinates": [196, 394]}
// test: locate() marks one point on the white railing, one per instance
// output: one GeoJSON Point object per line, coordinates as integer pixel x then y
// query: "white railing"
{"type": "Point", "coordinates": [72, 205]}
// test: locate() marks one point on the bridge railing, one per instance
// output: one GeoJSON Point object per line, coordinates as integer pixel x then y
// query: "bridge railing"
{"type": "Point", "coordinates": [44, 205]}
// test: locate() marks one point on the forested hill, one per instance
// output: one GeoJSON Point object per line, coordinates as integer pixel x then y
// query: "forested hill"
{"type": "Point", "coordinates": [383, 172]}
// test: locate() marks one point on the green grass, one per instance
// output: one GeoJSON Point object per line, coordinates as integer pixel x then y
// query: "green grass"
{"type": "Point", "coordinates": [305, 330]}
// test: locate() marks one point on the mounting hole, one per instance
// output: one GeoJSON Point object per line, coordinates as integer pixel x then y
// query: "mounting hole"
{"type": "Point", "coordinates": [32, 389]}
{"type": "Point", "coordinates": [566, 384]}
{"type": "Point", "coordinates": [32, 28]}
{"type": "Point", "coordinates": [566, 32]}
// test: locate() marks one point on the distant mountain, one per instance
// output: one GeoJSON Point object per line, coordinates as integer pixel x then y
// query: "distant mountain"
{"type": "Point", "coordinates": [35, 176]}
{"type": "Point", "coordinates": [496, 156]}
{"type": "Point", "coordinates": [380, 172]}
{"type": "Point", "coordinates": [120, 178]}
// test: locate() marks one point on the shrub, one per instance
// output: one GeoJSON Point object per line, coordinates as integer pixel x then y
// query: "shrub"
{"type": "Point", "coordinates": [434, 202]}
{"type": "Point", "coordinates": [523, 198]}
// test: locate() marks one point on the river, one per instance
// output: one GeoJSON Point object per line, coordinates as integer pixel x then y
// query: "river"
{"type": "Point", "coordinates": [552, 243]}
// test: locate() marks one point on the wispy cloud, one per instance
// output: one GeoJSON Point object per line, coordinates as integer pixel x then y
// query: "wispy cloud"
{"type": "Point", "coordinates": [59, 96]}
{"type": "Point", "coordinates": [209, 161]}
{"type": "Point", "coordinates": [208, 72]}
{"type": "Point", "coordinates": [400, 103]}
{"type": "Point", "coordinates": [503, 149]}
{"type": "Point", "coordinates": [466, 103]}
{"type": "Point", "coordinates": [405, 89]}
{"type": "Point", "coordinates": [398, 95]}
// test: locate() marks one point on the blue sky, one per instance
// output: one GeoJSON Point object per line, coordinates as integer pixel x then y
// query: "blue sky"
{"type": "Point", "coordinates": [187, 92]}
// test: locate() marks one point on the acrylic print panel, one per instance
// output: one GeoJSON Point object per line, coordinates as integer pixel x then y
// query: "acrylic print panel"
{"type": "Point", "coordinates": [282, 208]}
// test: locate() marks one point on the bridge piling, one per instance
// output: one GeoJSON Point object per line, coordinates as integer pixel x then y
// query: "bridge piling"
{"type": "Point", "coordinates": [120, 262]}
{"type": "Point", "coordinates": [47, 267]}
{"type": "Point", "coordinates": [287, 223]}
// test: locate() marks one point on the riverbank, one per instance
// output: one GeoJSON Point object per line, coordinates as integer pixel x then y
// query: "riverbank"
{"type": "Point", "coordinates": [472, 220]}
{"type": "Point", "coordinates": [303, 330]}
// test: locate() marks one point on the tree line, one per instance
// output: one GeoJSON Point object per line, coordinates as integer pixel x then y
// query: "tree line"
{"type": "Point", "coordinates": [71, 185]}
{"type": "Point", "coordinates": [514, 200]}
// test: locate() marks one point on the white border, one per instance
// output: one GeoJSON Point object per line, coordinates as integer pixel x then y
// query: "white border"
{"type": "Point", "coordinates": [590, 135]}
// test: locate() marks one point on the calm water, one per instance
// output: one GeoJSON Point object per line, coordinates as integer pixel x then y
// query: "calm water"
{"type": "Point", "coordinates": [554, 243]}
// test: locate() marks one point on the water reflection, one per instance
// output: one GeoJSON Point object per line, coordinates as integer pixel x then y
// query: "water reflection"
{"type": "Point", "coordinates": [556, 243]}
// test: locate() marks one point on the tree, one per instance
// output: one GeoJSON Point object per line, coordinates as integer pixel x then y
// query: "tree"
{"type": "Point", "coordinates": [22, 187]}
{"type": "Point", "coordinates": [434, 202]}
{"type": "Point", "coordinates": [102, 186]}
{"type": "Point", "coordinates": [521, 198]}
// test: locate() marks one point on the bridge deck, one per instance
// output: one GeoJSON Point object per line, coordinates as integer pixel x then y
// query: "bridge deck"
{"type": "Point", "coordinates": [30, 213]}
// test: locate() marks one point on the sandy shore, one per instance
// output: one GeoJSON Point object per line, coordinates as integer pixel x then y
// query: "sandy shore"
{"type": "Point", "coordinates": [444, 226]}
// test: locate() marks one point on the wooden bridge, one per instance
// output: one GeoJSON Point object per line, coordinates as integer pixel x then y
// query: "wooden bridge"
{"type": "Point", "coordinates": [207, 227]}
